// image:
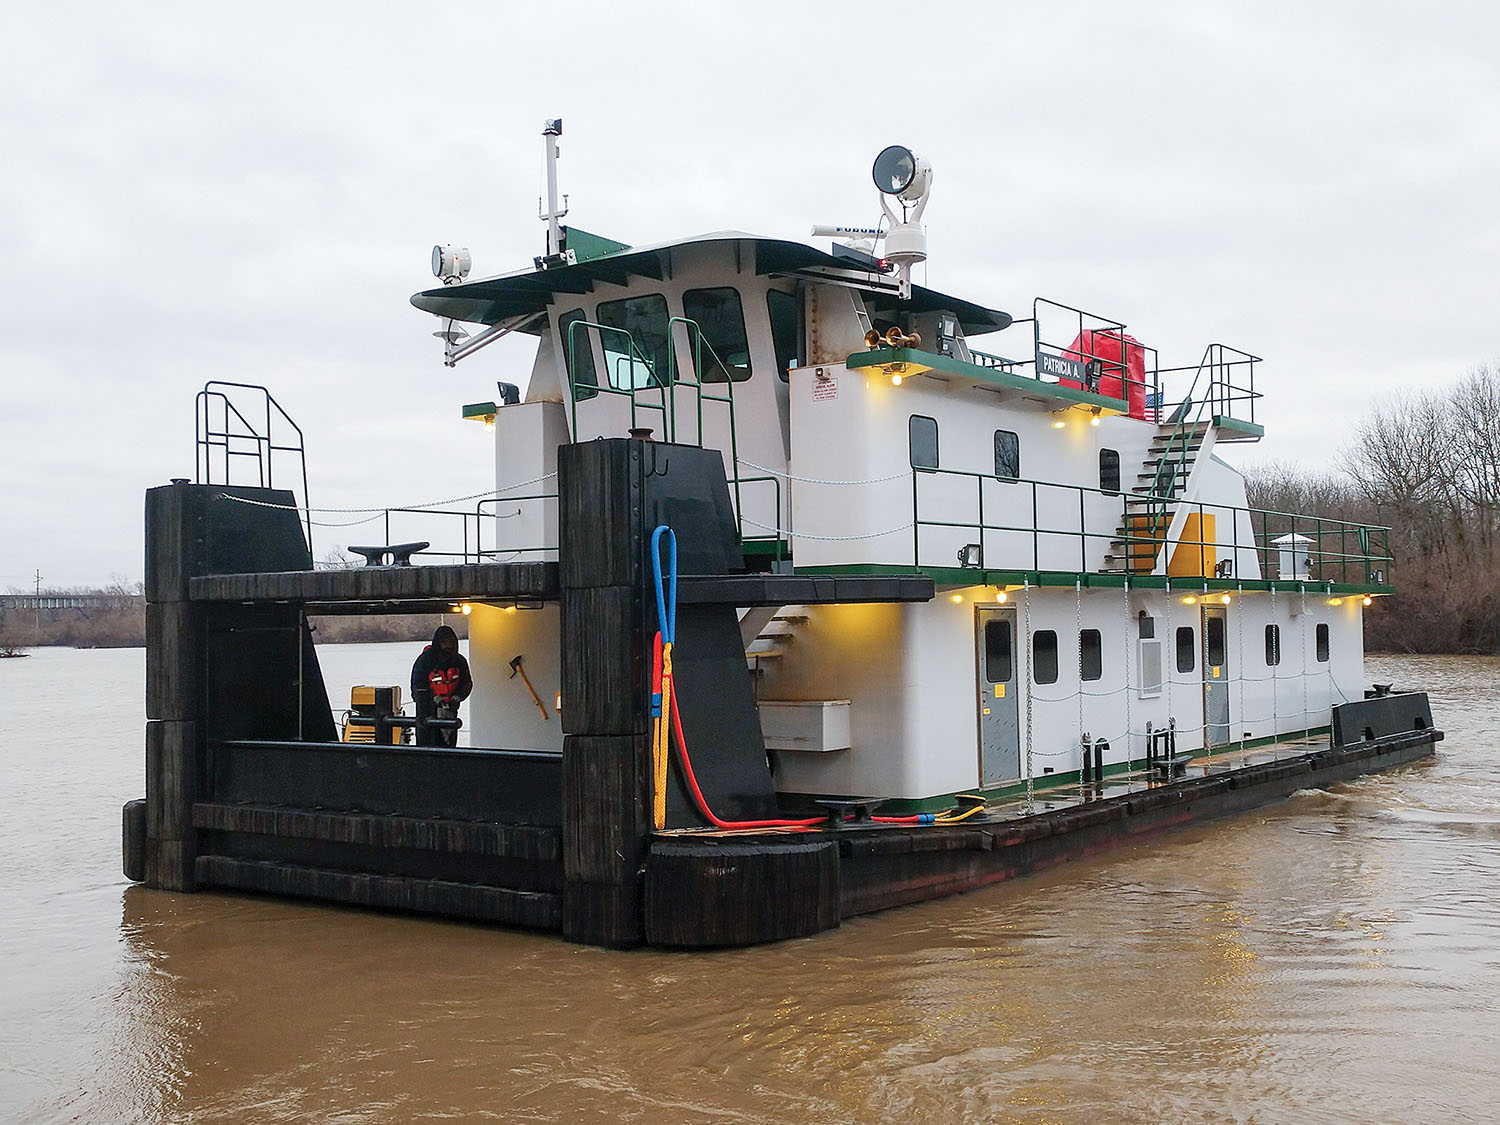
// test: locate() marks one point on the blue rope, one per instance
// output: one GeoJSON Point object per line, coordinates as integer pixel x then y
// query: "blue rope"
{"type": "Point", "coordinates": [666, 603]}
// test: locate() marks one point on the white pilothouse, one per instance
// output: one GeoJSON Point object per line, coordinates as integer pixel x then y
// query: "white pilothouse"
{"type": "Point", "coordinates": [1105, 592]}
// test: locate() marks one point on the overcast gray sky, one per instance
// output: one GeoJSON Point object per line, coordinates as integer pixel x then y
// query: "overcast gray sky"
{"type": "Point", "coordinates": [251, 193]}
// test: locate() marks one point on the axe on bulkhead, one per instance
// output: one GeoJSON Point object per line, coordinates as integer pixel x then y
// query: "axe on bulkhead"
{"type": "Point", "coordinates": [515, 666]}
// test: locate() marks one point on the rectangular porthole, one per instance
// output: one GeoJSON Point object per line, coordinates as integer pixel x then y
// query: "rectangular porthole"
{"type": "Point", "coordinates": [922, 441]}
{"type": "Point", "coordinates": [1090, 655]}
{"type": "Point", "coordinates": [1109, 471]}
{"type": "Point", "coordinates": [1322, 644]}
{"type": "Point", "coordinates": [1187, 648]}
{"type": "Point", "coordinates": [1007, 455]}
{"type": "Point", "coordinates": [1044, 656]}
{"type": "Point", "coordinates": [1273, 645]}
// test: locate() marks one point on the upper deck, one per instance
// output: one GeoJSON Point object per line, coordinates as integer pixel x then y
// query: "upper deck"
{"type": "Point", "coordinates": [867, 431]}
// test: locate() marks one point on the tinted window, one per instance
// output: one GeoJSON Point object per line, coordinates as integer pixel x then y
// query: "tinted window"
{"type": "Point", "coordinates": [786, 330]}
{"type": "Point", "coordinates": [1322, 644]}
{"type": "Point", "coordinates": [1090, 654]}
{"type": "Point", "coordinates": [922, 441]}
{"type": "Point", "coordinates": [578, 353]}
{"type": "Point", "coordinates": [1007, 455]}
{"type": "Point", "coordinates": [1109, 470]}
{"type": "Point", "coordinates": [1044, 656]}
{"type": "Point", "coordinates": [645, 321]}
{"type": "Point", "coordinates": [1273, 645]}
{"type": "Point", "coordinates": [1187, 648]}
{"type": "Point", "coordinates": [997, 653]}
{"type": "Point", "coordinates": [718, 314]}
{"type": "Point", "coordinates": [1214, 639]}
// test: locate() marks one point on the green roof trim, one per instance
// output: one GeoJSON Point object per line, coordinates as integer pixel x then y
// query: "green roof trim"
{"type": "Point", "coordinates": [479, 410]}
{"type": "Point", "coordinates": [1074, 396]}
{"type": "Point", "coordinates": [527, 293]}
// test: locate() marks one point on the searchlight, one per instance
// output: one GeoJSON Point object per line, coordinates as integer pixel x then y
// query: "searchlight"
{"type": "Point", "coordinates": [902, 175]}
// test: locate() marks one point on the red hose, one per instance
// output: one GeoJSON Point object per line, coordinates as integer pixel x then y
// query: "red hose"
{"type": "Point", "coordinates": [687, 770]}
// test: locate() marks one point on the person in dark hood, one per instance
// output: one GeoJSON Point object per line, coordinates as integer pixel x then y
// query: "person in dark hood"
{"type": "Point", "coordinates": [440, 681]}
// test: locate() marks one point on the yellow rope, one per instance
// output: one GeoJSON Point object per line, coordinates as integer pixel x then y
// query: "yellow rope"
{"type": "Point", "coordinates": [659, 743]}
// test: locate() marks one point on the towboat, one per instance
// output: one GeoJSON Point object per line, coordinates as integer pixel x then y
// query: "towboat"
{"type": "Point", "coordinates": [829, 592]}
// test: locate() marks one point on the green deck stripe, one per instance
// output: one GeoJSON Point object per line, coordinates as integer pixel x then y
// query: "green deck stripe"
{"type": "Point", "coordinates": [953, 576]}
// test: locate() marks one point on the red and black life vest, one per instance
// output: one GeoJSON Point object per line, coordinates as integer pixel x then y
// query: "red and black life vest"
{"type": "Point", "coordinates": [444, 682]}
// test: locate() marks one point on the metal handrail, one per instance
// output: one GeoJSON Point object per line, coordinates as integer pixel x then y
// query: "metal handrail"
{"type": "Point", "coordinates": [1369, 554]}
{"type": "Point", "coordinates": [1120, 368]}
{"type": "Point", "coordinates": [1220, 393]}
{"type": "Point", "coordinates": [634, 355]}
{"type": "Point", "coordinates": [697, 342]}
{"type": "Point", "coordinates": [777, 533]}
{"type": "Point", "coordinates": [206, 438]}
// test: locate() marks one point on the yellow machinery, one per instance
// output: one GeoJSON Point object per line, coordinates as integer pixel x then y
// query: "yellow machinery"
{"type": "Point", "coordinates": [371, 710]}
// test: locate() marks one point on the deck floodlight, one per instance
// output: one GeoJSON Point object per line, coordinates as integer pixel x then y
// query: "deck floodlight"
{"type": "Point", "coordinates": [968, 555]}
{"type": "Point", "coordinates": [451, 264]}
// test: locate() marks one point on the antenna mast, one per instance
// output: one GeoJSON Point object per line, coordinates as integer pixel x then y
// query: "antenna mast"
{"type": "Point", "coordinates": [552, 129]}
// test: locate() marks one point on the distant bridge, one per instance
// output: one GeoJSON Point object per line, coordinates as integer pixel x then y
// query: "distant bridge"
{"type": "Point", "coordinates": [53, 604]}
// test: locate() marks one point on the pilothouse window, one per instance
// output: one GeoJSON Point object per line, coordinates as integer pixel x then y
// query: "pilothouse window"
{"type": "Point", "coordinates": [645, 321]}
{"type": "Point", "coordinates": [718, 314]}
{"type": "Point", "coordinates": [578, 352]}
{"type": "Point", "coordinates": [786, 330]}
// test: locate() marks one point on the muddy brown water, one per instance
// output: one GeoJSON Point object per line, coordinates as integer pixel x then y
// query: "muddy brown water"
{"type": "Point", "coordinates": [1332, 958]}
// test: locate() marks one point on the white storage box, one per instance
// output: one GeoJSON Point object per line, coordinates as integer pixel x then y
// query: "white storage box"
{"type": "Point", "coordinates": [817, 725]}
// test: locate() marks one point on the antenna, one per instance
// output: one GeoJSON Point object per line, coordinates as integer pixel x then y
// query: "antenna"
{"type": "Point", "coordinates": [556, 255]}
